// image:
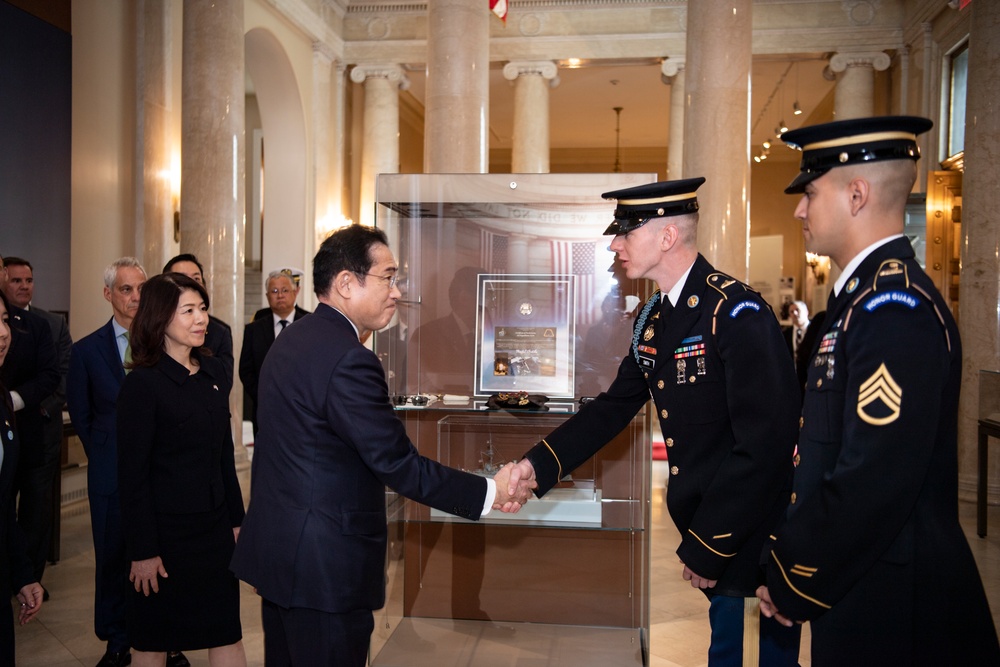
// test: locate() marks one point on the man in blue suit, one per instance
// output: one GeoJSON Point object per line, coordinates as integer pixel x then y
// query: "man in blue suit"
{"type": "Point", "coordinates": [314, 537]}
{"type": "Point", "coordinates": [96, 372]}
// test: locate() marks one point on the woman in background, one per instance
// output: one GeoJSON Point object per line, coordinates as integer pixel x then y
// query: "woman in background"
{"type": "Point", "coordinates": [181, 501]}
{"type": "Point", "coordinates": [15, 568]}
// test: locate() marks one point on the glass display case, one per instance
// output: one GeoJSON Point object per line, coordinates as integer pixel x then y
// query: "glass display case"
{"type": "Point", "coordinates": [509, 290]}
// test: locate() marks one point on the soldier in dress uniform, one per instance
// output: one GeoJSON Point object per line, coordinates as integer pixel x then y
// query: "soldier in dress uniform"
{"type": "Point", "coordinates": [872, 553]}
{"type": "Point", "coordinates": [710, 352]}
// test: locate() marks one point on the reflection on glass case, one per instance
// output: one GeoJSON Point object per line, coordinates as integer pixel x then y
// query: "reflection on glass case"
{"type": "Point", "coordinates": [509, 291]}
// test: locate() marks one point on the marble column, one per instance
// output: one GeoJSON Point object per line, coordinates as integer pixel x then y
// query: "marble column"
{"type": "Point", "coordinates": [154, 200]}
{"type": "Point", "coordinates": [672, 72]}
{"type": "Point", "coordinates": [532, 79]}
{"type": "Point", "coordinates": [322, 69]}
{"type": "Point", "coordinates": [457, 106]}
{"type": "Point", "coordinates": [517, 253]}
{"type": "Point", "coordinates": [212, 162]}
{"type": "Point", "coordinates": [979, 321]}
{"type": "Point", "coordinates": [380, 147]}
{"type": "Point", "coordinates": [716, 121]}
{"type": "Point", "coordinates": [854, 96]}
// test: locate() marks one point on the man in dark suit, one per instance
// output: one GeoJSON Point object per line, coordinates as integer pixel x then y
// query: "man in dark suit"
{"type": "Point", "coordinates": [37, 511]}
{"type": "Point", "coordinates": [96, 372]}
{"type": "Point", "coordinates": [872, 553]}
{"type": "Point", "coordinates": [259, 335]}
{"type": "Point", "coordinates": [709, 350]}
{"type": "Point", "coordinates": [313, 542]}
{"type": "Point", "coordinates": [219, 336]}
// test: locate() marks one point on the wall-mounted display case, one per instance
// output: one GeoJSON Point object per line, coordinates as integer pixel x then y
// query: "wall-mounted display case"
{"type": "Point", "coordinates": [508, 287]}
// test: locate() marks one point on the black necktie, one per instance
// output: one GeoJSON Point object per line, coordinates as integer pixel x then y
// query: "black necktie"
{"type": "Point", "coordinates": [667, 308]}
{"type": "Point", "coordinates": [283, 323]}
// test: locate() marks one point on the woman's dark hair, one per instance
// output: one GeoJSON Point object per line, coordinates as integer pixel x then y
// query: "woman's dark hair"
{"type": "Point", "coordinates": [157, 307]}
{"type": "Point", "coordinates": [347, 249]}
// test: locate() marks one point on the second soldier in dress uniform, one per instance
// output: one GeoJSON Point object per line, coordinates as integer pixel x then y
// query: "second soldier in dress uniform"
{"type": "Point", "coordinates": [872, 553]}
{"type": "Point", "coordinates": [710, 352]}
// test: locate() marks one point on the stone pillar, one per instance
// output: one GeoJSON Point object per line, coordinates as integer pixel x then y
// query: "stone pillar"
{"type": "Point", "coordinates": [338, 141]}
{"type": "Point", "coordinates": [322, 129]}
{"type": "Point", "coordinates": [380, 147]}
{"type": "Point", "coordinates": [979, 322]}
{"type": "Point", "coordinates": [517, 253]}
{"type": "Point", "coordinates": [212, 162]}
{"type": "Point", "coordinates": [854, 96]}
{"type": "Point", "coordinates": [154, 201]}
{"type": "Point", "coordinates": [530, 153]}
{"type": "Point", "coordinates": [672, 72]}
{"type": "Point", "coordinates": [717, 87]}
{"type": "Point", "coordinates": [457, 105]}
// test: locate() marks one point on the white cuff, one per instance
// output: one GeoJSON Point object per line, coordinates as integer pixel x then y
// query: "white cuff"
{"type": "Point", "coordinates": [491, 494]}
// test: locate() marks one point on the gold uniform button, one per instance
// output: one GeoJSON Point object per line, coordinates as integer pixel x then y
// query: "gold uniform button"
{"type": "Point", "coordinates": [659, 385]}
{"type": "Point", "coordinates": [674, 470]}
{"type": "Point", "coordinates": [646, 375]}
{"type": "Point", "coordinates": [691, 379]}
{"type": "Point", "coordinates": [802, 420]}
{"type": "Point", "coordinates": [793, 497]}
{"type": "Point", "coordinates": [663, 414]}
{"type": "Point", "coordinates": [670, 442]}
{"type": "Point", "coordinates": [797, 459]}
{"type": "Point", "coordinates": [819, 382]}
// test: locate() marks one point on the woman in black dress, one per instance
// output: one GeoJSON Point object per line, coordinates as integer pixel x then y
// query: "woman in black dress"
{"type": "Point", "coordinates": [15, 567]}
{"type": "Point", "coordinates": [181, 501]}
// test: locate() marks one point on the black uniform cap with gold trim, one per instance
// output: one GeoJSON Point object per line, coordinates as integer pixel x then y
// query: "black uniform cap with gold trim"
{"type": "Point", "coordinates": [640, 204]}
{"type": "Point", "coordinates": [853, 141]}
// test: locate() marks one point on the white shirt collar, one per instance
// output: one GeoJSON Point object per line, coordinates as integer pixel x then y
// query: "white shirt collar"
{"type": "Point", "coordinates": [675, 292]}
{"type": "Point", "coordinates": [856, 262]}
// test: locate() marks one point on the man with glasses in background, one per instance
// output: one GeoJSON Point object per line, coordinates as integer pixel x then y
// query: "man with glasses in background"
{"type": "Point", "coordinates": [259, 335]}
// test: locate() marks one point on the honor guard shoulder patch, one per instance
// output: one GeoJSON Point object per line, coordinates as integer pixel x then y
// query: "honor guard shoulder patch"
{"type": "Point", "coordinates": [895, 296]}
{"type": "Point", "coordinates": [880, 398]}
{"type": "Point", "coordinates": [743, 305]}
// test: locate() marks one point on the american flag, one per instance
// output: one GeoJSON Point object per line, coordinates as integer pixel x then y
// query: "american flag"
{"type": "Point", "coordinates": [493, 252]}
{"type": "Point", "coordinates": [580, 260]}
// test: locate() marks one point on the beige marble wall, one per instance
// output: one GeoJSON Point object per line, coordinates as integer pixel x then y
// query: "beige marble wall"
{"type": "Point", "coordinates": [979, 321]}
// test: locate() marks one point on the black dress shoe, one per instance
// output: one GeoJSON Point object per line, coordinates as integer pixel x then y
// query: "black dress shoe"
{"type": "Point", "coordinates": [116, 658]}
{"type": "Point", "coordinates": [177, 660]}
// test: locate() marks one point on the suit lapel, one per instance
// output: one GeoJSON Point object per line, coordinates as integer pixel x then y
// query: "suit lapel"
{"type": "Point", "coordinates": [109, 351]}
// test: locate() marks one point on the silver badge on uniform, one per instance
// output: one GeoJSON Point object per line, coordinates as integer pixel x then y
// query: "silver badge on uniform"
{"type": "Point", "coordinates": [681, 367]}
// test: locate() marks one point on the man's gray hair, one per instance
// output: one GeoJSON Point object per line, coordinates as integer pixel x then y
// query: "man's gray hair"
{"type": "Point", "coordinates": [111, 272]}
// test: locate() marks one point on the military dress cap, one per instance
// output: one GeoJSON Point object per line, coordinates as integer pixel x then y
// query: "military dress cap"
{"type": "Point", "coordinates": [853, 141]}
{"type": "Point", "coordinates": [640, 204]}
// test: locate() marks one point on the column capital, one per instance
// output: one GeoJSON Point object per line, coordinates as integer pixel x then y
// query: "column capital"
{"type": "Point", "coordinates": [394, 73]}
{"type": "Point", "coordinates": [544, 68]}
{"type": "Point", "coordinates": [671, 67]}
{"type": "Point", "coordinates": [323, 54]}
{"type": "Point", "coordinates": [877, 60]}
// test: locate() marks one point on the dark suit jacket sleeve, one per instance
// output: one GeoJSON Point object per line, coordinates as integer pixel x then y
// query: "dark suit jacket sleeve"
{"type": "Point", "coordinates": [78, 399]}
{"type": "Point", "coordinates": [38, 374]}
{"type": "Point", "coordinates": [221, 344]}
{"type": "Point", "coordinates": [597, 423]}
{"type": "Point", "coordinates": [357, 405]}
{"type": "Point", "coordinates": [136, 412]}
{"type": "Point", "coordinates": [248, 367]}
{"type": "Point", "coordinates": [234, 495]}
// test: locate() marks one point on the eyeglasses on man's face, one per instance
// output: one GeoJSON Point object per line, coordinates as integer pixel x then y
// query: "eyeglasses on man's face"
{"type": "Point", "coordinates": [390, 279]}
{"type": "Point", "coordinates": [280, 290]}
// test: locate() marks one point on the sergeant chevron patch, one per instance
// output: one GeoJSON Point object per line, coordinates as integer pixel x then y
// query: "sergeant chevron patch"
{"type": "Point", "coordinates": [880, 398]}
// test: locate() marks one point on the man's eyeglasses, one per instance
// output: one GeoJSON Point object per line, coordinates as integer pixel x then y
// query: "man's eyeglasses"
{"type": "Point", "coordinates": [390, 279]}
{"type": "Point", "coordinates": [279, 290]}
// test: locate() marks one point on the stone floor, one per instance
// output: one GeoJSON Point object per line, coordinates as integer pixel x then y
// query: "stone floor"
{"type": "Point", "coordinates": [62, 636]}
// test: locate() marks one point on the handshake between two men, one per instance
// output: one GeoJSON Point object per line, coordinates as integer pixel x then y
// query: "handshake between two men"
{"type": "Point", "coordinates": [515, 483]}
